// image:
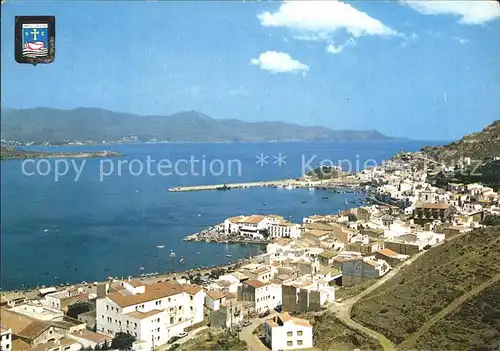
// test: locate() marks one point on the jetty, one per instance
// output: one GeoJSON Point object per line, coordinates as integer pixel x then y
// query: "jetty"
{"type": "Point", "coordinates": [343, 182]}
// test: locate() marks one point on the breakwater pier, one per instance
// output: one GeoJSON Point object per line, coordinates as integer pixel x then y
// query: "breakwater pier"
{"type": "Point", "coordinates": [344, 182]}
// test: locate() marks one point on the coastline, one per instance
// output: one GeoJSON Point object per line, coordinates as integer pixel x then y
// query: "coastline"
{"type": "Point", "coordinates": [14, 154]}
{"type": "Point", "coordinates": [344, 183]}
{"type": "Point", "coordinates": [152, 278]}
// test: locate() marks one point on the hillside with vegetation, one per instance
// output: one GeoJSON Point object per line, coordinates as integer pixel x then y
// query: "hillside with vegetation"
{"type": "Point", "coordinates": [322, 173]}
{"type": "Point", "coordinates": [447, 291]}
{"type": "Point", "coordinates": [487, 174]}
{"type": "Point", "coordinates": [478, 146]}
{"type": "Point", "coordinates": [96, 126]}
{"type": "Point", "coordinates": [11, 153]}
{"type": "Point", "coordinates": [331, 334]}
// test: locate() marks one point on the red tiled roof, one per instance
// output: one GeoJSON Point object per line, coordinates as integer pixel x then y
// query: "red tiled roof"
{"type": "Point", "coordinates": [255, 283]}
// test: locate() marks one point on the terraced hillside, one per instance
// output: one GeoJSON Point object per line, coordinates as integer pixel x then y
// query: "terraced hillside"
{"type": "Point", "coordinates": [427, 297]}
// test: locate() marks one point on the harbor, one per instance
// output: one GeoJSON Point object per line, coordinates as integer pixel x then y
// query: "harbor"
{"type": "Point", "coordinates": [337, 183]}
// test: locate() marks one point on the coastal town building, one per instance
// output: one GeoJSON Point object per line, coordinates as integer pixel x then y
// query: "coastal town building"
{"type": "Point", "coordinates": [231, 313]}
{"type": "Point", "coordinates": [265, 296]}
{"type": "Point", "coordinates": [285, 332]}
{"type": "Point", "coordinates": [409, 244]}
{"type": "Point", "coordinates": [426, 212]}
{"type": "Point", "coordinates": [260, 227]}
{"type": "Point", "coordinates": [60, 300]}
{"type": "Point", "coordinates": [284, 229]}
{"type": "Point", "coordinates": [309, 293]}
{"type": "Point", "coordinates": [89, 339]}
{"type": "Point", "coordinates": [28, 332]}
{"type": "Point", "coordinates": [152, 313]}
{"type": "Point", "coordinates": [5, 339]}
{"type": "Point", "coordinates": [39, 312]}
{"type": "Point", "coordinates": [215, 298]}
{"type": "Point", "coordinates": [358, 270]}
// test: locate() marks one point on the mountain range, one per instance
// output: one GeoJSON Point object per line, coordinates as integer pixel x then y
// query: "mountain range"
{"type": "Point", "coordinates": [95, 126]}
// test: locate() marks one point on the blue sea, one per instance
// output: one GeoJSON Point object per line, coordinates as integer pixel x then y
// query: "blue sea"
{"type": "Point", "coordinates": [108, 219]}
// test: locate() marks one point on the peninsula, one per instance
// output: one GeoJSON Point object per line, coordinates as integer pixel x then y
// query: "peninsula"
{"type": "Point", "coordinates": [10, 153]}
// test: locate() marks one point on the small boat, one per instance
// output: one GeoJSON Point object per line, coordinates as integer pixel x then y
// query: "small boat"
{"type": "Point", "coordinates": [160, 246]}
{"type": "Point", "coordinates": [347, 203]}
{"type": "Point", "coordinates": [182, 260]}
{"type": "Point", "coordinates": [45, 230]}
{"type": "Point", "coordinates": [172, 254]}
{"type": "Point", "coordinates": [141, 268]}
{"type": "Point", "coordinates": [304, 202]}
{"type": "Point", "coordinates": [229, 255]}
{"type": "Point", "coordinates": [325, 197]}
{"type": "Point", "coordinates": [198, 253]}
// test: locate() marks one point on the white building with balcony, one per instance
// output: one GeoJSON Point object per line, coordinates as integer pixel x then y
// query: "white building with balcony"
{"type": "Point", "coordinates": [152, 313]}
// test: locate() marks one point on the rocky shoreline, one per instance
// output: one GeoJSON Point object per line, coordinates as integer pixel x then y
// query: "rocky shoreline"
{"type": "Point", "coordinates": [212, 235]}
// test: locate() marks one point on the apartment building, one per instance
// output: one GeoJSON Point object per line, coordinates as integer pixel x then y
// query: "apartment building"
{"type": "Point", "coordinates": [265, 296]}
{"type": "Point", "coordinates": [357, 270]}
{"type": "Point", "coordinates": [285, 332]}
{"type": "Point", "coordinates": [284, 229]}
{"type": "Point", "coordinates": [152, 313]}
{"type": "Point", "coordinates": [308, 294]}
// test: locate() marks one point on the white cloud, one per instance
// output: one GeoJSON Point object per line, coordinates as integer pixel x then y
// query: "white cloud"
{"type": "Point", "coordinates": [278, 62]}
{"type": "Point", "coordinates": [319, 19]}
{"type": "Point", "coordinates": [470, 12]}
{"type": "Point", "coordinates": [407, 39]}
{"type": "Point", "coordinates": [462, 41]}
{"type": "Point", "coordinates": [332, 49]}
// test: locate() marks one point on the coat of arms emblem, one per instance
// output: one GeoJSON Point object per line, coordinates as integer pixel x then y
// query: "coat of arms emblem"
{"type": "Point", "coordinates": [35, 39]}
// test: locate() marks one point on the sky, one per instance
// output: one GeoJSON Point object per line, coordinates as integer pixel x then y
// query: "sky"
{"type": "Point", "coordinates": [425, 70]}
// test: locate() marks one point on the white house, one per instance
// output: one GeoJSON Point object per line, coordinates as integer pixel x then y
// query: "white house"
{"type": "Point", "coordinates": [6, 339]}
{"type": "Point", "coordinates": [90, 339]}
{"type": "Point", "coordinates": [285, 332]}
{"type": "Point", "coordinates": [152, 313]}
{"type": "Point", "coordinates": [215, 298]}
{"type": "Point", "coordinates": [266, 296]}
{"type": "Point", "coordinates": [251, 226]}
{"type": "Point", "coordinates": [284, 229]}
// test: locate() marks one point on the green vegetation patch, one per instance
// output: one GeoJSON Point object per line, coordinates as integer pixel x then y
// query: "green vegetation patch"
{"type": "Point", "coordinates": [331, 334]}
{"type": "Point", "coordinates": [475, 324]}
{"type": "Point", "coordinates": [323, 172]}
{"type": "Point", "coordinates": [214, 341]}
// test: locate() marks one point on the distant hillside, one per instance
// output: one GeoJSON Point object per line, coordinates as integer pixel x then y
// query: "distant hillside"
{"type": "Point", "coordinates": [92, 125]}
{"type": "Point", "coordinates": [10, 153]}
{"type": "Point", "coordinates": [479, 146]}
{"type": "Point", "coordinates": [448, 299]}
